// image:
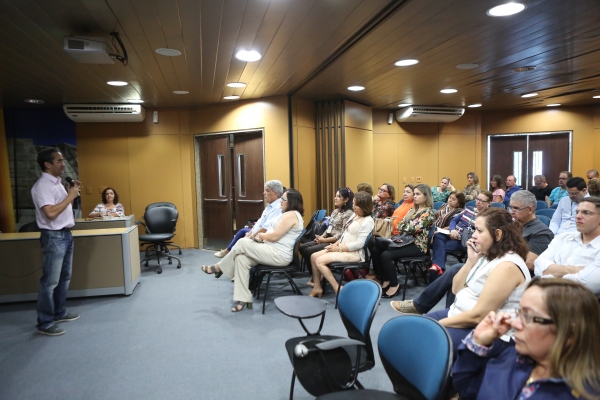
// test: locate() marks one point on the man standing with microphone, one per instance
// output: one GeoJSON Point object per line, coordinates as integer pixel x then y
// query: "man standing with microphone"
{"type": "Point", "coordinates": [54, 216]}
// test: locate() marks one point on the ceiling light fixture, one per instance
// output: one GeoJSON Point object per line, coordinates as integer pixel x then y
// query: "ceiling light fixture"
{"type": "Point", "coordinates": [553, 105]}
{"type": "Point", "coordinates": [236, 84]}
{"type": "Point", "coordinates": [117, 83]}
{"type": "Point", "coordinates": [474, 105]}
{"type": "Point", "coordinates": [405, 63]}
{"type": "Point", "coordinates": [34, 101]}
{"type": "Point", "coordinates": [248, 55]}
{"type": "Point", "coordinates": [529, 95]}
{"type": "Point", "coordinates": [356, 88]}
{"type": "Point", "coordinates": [168, 52]}
{"type": "Point", "coordinates": [180, 92]}
{"type": "Point", "coordinates": [596, 97]}
{"type": "Point", "coordinates": [135, 101]}
{"type": "Point", "coordinates": [404, 105]}
{"type": "Point", "coordinates": [448, 91]}
{"type": "Point", "coordinates": [467, 66]}
{"type": "Point", "coordinates": [231, 97]}
{"type": "Point", "coordinates": [506, 9]}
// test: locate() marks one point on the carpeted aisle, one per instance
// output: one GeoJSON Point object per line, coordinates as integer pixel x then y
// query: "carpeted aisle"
{"type": "Point", "coordinates": [174, 338]}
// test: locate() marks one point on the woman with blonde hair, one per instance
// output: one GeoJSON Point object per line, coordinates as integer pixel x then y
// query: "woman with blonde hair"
{"type": "Point", "coordinates": [472, 189]}
{"type": "Point", "coordinates": [556, 353]}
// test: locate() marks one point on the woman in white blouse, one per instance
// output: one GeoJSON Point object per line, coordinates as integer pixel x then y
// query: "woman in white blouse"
{"type": "Point", "coordinates": [110, 206]}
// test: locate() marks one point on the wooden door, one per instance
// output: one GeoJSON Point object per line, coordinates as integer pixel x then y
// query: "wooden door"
{"type": "Point", "coordinates": [548, 155]}
{"type": "Point", "coordinates": [248, 177]}
{"type": "Point", "coordinates": [215, 166]}
{"type": "Point", "coordinates": [504, 150]}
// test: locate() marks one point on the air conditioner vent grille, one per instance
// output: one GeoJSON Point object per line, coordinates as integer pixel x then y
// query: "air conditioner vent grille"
{"type": "Point", "coordinates": [438, 111]}
{"type": "Point", "coordinates": [103, 109]}
{"type": "Point", "coordinates": [105, 112]}
{"type": "Point", "coordinates": [75, 44]}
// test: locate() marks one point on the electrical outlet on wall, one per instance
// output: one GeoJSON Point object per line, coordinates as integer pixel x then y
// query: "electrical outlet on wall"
{"type": "Point", "coordinates": [403, 179]}
{"type": "Point", "coordinates": [418, 179]}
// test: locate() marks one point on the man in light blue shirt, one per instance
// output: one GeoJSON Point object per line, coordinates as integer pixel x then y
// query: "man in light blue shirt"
{"type": "Point", "coordinates": [561, 190]}
{"type": "Point", "coordinates": [563, 219]}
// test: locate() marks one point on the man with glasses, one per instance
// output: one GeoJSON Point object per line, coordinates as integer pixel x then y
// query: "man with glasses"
{"type": "Point", "coordinates": [576, 255]}
{"type": "Point", "coordinates": [561, 191]}
{"type": "Point", "coordinates": [535, 232]}
{"type": "Point", "coordinates": [541, 190]}
{"type": "Point", "coordinates": [511, 187]}
{"type": "Point", "coordinates": [54, 217]}
{"type": "Point", "coordinates": [563, 219]}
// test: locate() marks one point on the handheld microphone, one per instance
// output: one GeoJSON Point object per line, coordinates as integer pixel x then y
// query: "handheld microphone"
{"type": "Point", "coordinates": [70, 181]}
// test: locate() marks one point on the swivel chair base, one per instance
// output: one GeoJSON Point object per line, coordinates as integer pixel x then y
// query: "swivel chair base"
{"type": "Point", "coordinates": [156, 250]}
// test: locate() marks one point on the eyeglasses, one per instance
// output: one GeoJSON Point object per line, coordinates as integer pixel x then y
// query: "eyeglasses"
{"type": "Point", "coordinates": [283, 199]}
{"type": "Point", "coordinates": [571, 194]}
{"type": "Point", "coordinates": [61, 161]}
{"type": "Point", "coordinates": [528, 318]}
{"type": "Point", "coordinates": [515, 209]}
{"type": "Point", "coordinates": [382, 190]}
{"type": "Point", "coordinates": [481, 201]}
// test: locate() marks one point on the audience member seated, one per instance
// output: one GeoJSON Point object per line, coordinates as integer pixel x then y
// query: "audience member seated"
{"type": "Point", "coordinates": [497, 189]}
{"type": "Point", "coordinates": [365, 187]}
{"type": "Point", "coordinates": [350, 246]}
{"type": "Point", "coordinates": [541, 190]}
{"type": "Point", "coordinates": [383, 202]}
{"type": "Point", "coordinates": [561, 190]}
{"type": "Point", "coordinates": [441, 193]}
{"type": "Point", "coordinates": [273, 247]}
{"type": "Point", "coordinates": [403, 209]}
{"type": "Point", "coordinates": [411, 241]}
{"type": "Point", "coordinates": [472, 189]}
{"type": "Point", "coordinates": [563, 219]}
{"type": "Point", "coordinates": [556, 353]}
{"type": "Point", "coordinates": [535, 233]}
{"type": "Point", "coordinates": [443, 244]}
{"type": "Point", "coordinates": [492, 279]}
{"type": "Point", "coordinates": [110, 206]}
{"type": "Point", "coordinates": [511, 187]}
{"type": "Point", "coordinates": [343, 212]}
{"type": "Point", "coordinates": [576, 255]}
{"type": "Point", "coordinates": [272, 193]}
{"type": "Point", "coordinates": [592, 173]}
{"type": "Point", "coordinates": [593, 186]}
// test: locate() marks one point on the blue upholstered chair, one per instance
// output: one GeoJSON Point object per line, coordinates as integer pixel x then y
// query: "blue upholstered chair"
{"type": "Point", "coordinates": [498, 205]}
{"type": "Point", "coordinates": [438, 204]}
{"type": "Point", "coordinates": [470, 203]}
{"type": "Point", "coordinates": [541, 205]}
{"type": "Point", "coordinates": [416, 353]}
{"type": "Point", "coordinates": [554, 205]}
{"type": "Point", "coordinates": [325, 364]}
{"type": "Point", "coordinates": [320, 215]}
{"type": "Point", "coordinates": [548, 212]}
{"type": "Point", "coordinates": [544, 219]}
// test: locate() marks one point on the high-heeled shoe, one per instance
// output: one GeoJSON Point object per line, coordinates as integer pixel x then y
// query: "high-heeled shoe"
{"type": "Point", "coordinates": [240, 306]}
{"type": "Point", "coordinates": [384, 295]}
{"type": "Point", "coordinates": [212, 270]}
{"type": "Point", "coordinates": [314, 294]}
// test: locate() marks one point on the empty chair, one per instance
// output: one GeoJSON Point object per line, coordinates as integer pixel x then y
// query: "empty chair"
{"type": "Point", "coordinates": [29, 227]}
{"type": "Point", "coordinates": [470, 203]}
{"type": "Point", "coordinates": [498, 205]}
{"type": "Point", "coordinates": [160, 225]}
{"type": "Point", "coordinates": [325, 364]}
{"type": "Point", "coordinates": [541, 205]}
{"type": "Point", "coordinates": [416, 353]}
{"type": "Point", "coordinates": [548, 212]}
{"type": "Point", "coordinates": [165, 204]}
{"type": "Point", "coordinates": [544, 219]}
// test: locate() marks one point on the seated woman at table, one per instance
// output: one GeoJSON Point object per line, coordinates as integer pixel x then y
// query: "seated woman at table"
{"type": "Point", "coordinates": [383, 201]}
{"type": "Point", "coordinates": [110, 205]}
{"type": "Point", "coordinates": [493, 278]}
{"type": "Point", "coordinates": [349, 248]}
{"type": "Point", "coordinates": [472, 189]}
{"type": "Point", "coordinates": [445, 243]}
{"type": "Point", "coordinates": [556, 354]}
{"type": "Point", "coordinates": [343, 212]}
{"type": "Point", "coordinates": [411, 241]}
{"type": "Point", "coordinates": [497, 188]}
{"type": "Point", "coordinates": [273, 247]}
{"type": "Point", "coordinates": [442, 192]}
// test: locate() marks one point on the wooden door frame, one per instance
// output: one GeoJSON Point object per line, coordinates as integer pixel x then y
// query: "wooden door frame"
{"type": "Point", "coordinates": [198, 175]}
{"type": "Point", "coordinates": [527, 134]}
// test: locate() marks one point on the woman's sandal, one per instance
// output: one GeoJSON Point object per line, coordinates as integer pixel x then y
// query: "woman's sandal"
{"type": "Point", "coordinates": [240, 306]}
{"type": "Point", "coordinates": [213, 270]}
{"type": "Point", "coordinates": [315, 294]}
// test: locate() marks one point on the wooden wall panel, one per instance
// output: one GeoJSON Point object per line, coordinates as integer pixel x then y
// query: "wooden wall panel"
{"type": "Point", "coordinates": [306, 149]}
{"type": "Point", "coordinates": [359, 156]}
{"type": "Point", "coordinates": [385, 160]}
{"type": "Point", "coordinates": [358, 116]}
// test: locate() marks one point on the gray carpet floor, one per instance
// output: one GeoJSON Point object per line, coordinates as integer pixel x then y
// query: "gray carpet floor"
{"type": "Point", "coordinates": [174, 338]}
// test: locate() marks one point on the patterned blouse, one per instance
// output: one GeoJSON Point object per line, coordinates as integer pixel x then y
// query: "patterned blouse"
{"type": "Point", "coordinates": [100, 208]}
{"type": "Point", "coordinates": [383, 210]}
{"type": "Point", "coordinates": [337, 221]}
{"type": "Point", "coordinates": [444, 215]}
{"type": "Point", "coordinates": [437, 196]}
{"type": "Point", "coordinates": [471, 192]}
{"type": "Point", "coordinates": [418, 225]}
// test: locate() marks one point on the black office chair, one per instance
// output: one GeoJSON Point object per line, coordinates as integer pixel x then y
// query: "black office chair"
{"type": "Point", "coordinates": [30, 227]}
{"type": "Point", "coordinates": [171, 205]}
{"type": "Point", "coordinates": [160, 224]}
{"type": "Point", "coordinates": [416, 264]}
{"type": "Point", "coordinates": [259, 271]}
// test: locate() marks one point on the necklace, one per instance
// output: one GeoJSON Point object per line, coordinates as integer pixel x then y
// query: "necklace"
{"type": "Point", "coordinates": [474, 271]}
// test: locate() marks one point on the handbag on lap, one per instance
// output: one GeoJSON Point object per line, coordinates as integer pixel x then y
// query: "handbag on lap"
{"type": "Point", "coordinates": [383, 227]}
{"type": "Point", "coordinates": [401, 240]}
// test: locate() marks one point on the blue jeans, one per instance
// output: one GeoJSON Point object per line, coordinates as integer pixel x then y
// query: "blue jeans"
{"type": "Point", "coordinates": [441, 245]}
{"type": "Point", "coordinates": [436, 291]}
{"type": "Point", "coordinates": [240, 234]}
{"type": "Point", "coordinates": [57, 264]}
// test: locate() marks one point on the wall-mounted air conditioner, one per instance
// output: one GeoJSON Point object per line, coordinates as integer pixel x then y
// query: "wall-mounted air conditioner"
{"type": "Point", "coordinates": [105, 112]}
{"type": "Point", "coordinates": [429, 114]}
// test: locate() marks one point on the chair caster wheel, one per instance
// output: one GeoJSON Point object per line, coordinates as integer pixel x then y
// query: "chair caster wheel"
{"type": "Point", "coordinates": [159, 271]}
{"type": "Point", "coordinates": [179, 266]}
{"type": "Point", "coordinates": [180, 253]}
{"type": "Point", "coordinates": [170, 262]}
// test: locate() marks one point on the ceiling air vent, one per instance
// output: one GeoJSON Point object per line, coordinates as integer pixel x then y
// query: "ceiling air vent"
{"type": "Point", "coordinates": [105, 112]}
{"type": "Point", "coordinates": [429, 114]}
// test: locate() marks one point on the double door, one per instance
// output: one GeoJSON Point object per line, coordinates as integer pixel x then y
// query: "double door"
{"type": "Point", "coordinates": [527, 155]}
{"type": "Point", "coordinates": [232, 182]}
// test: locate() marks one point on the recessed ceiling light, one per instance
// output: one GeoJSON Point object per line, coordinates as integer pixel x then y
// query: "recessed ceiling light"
{"type": "Point", "coordinates": [34, 101]}
{"type": "Point", "coordinates": [356, 88]}
{"type": "Point", "coordinates": [117, 83]}
{"type": "Point", "coordinates": [136, 101]}
{"type": "Point", "coordinates": [248, 55]}
{"type": "Point", "coordinates": [180, 92]}
{"type": "Point", "coordinates": [448, 91]}
{"type": "Point", "coordinates": [467, 66]}
{"type": "Point", "coordinates": [529, 95]}
{"type": "Point", "coordinates": [596, 97]}
{"type": "Point", "coordinates": [404, 105]}
{"type": "Point", "coordinates": [506, 9]}
{"type": "Point", "coordinates": [231, 97]}
{"type": "Point", "coordinates": [404, 63]}
{"type": "Point", "coordinates": [236, 84]}
{"type": "Point", "coordinates": [553, 105]}
{"type": "Point", "coordinates": [168, 52]}
{"type": "Point", "coordinates": [524, 69]}
{"type": "Point", "coordinates": [474, 105]}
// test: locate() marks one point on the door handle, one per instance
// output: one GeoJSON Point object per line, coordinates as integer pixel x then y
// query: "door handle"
{"type": "Point", "coordinates": [217, 200]}
{"type": "Point", "coordinates": [251, 201]}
